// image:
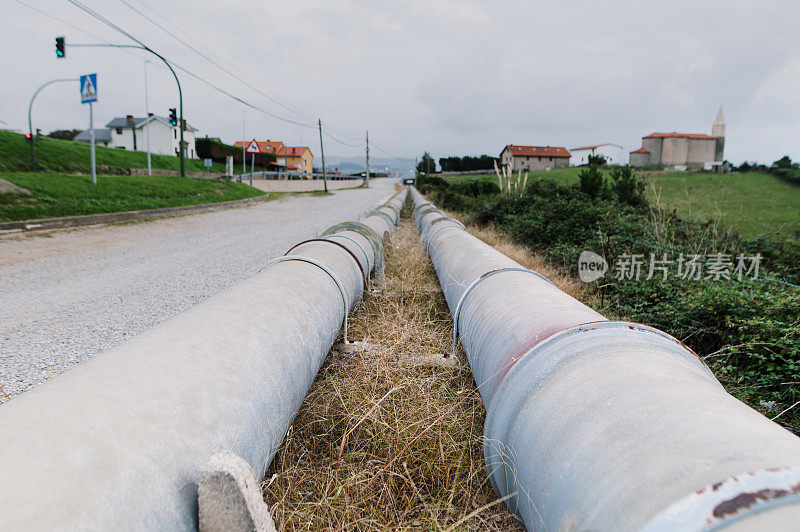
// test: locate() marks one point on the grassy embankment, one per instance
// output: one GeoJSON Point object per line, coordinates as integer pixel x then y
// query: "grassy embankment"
{"type": "Point", "coordinates": [55, 195]}
{"type": "Point", "coordinates": [68, 156]}
{"type": "Point", "coordinates": [750, 203]}
{"type": "Point", "coordinates": [747, 330]}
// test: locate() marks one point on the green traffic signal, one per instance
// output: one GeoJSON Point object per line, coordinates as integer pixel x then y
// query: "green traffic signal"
{"type": "Point", "coordinates": [60, 47]}
{"type": "Point", "coordinates": [173, 116]}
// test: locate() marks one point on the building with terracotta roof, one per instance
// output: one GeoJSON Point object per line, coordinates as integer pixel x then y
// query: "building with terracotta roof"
{"type": "Point", "coordinates": [613, 154]}
{"type": "Point", "coordinates": [684, 149]}
{"type": "Point", "coordinates": [299, 157]}
{"type": "Point", "coordinates": [526, 158]}
{"type": "Point", "coordinates": [291, 158]}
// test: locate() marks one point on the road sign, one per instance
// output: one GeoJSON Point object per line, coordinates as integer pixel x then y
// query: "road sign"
{"type": "Point", "coordinates": [89, 88]}
{"type": "Point", "coordinates": [253, 147]}
{"type": "Point", "coordinates": [207, 163]}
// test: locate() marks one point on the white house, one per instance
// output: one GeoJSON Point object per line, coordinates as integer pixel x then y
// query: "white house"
{"type": "Point", "coordinates": [613, 153]}
{"type": "Point", "coordinates": [130, 133]}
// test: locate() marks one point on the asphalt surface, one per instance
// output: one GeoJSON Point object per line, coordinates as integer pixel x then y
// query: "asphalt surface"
{"type": "Point", "coordinates": [67, 295]}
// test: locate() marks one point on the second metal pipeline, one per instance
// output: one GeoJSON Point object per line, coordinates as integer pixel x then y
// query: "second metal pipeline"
{"type": "Point", "coordinates": [597, 424]}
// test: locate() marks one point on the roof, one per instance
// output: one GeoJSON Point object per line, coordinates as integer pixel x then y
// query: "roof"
{"type": "Point", "coordinates": [640, 150]}
{"type": "Point", "coordinates": [595, 146]}
{"type": "Point", "coordinates": [266, 146]}
{"type": "Point", "coordinates": [674, 135]}
{"type": "Point", "coordinates": [139, 121]}
{"type": "Point", "coordinates": [100, 135]}
{"type": "Point", "coordinates": [536, 151]}
{"type": "Point", "coordinates": [294, 151]}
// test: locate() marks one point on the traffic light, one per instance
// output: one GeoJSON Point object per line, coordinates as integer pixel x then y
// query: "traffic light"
{"type": "Point", "coordinates": [60, 47]}
{"type": "Point", "coordinates": [173, 116]}
{"type": "Point", "coordinates": [28, 136]}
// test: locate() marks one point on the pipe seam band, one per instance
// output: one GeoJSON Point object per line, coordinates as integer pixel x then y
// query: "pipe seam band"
{"type": "Point", "coordinates": [392, 206]}
{"type": "Point", "coordinates": [427, 239]}
{"type": "Point", "coordinates": [385, 216]}
{"type": "Point", "coordinates": [337, 244]}
{"type": "Point", "coordinates": [367, 232]}
{"type": "Point", "coordinates": [354, 241]}
{"type": "Point", "coordinates": [327, 270]}
{"type": "Point", "coordinates": [475, 283]}
{"type": "Point", "coordinates": [717, 505]}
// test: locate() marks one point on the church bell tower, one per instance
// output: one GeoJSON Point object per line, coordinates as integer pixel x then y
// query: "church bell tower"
{"type": "Point", "coordinates": [718, 130]}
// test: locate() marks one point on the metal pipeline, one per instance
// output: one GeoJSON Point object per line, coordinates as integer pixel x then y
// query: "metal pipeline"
{"type": "Point", "coordinates": [596, 424]}
{"type": "Point", "coordinates": [120, 441]}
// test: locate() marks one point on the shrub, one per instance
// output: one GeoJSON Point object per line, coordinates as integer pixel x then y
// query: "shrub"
{"type": "Point", "coordinates": [591, 181]}
{"type": "Point", "coordinates": [749, 330]}
{"type": "Point", "coordinates": [596, 160]}
{"type": "Point", "coordinates": [627, 186]}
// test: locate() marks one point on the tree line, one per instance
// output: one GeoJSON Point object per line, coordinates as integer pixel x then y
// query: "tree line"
{"type": "Point", "coordinates": [467, 163]}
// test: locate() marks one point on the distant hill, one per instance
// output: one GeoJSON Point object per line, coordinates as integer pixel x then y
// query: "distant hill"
{"type": "Point", "coordinates": [352, 165]}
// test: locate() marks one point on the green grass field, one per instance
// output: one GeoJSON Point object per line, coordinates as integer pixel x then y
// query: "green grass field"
{"type": "Point", "coordinates": [69, 156]}
{"type": "Point", "coordinates": [749, 203]}
{"type": "Point", "coordinates": [55, 195]}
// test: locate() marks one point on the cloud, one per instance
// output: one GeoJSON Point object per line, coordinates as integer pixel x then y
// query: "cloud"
{"type": "Point", "coordinates": [450, 76]}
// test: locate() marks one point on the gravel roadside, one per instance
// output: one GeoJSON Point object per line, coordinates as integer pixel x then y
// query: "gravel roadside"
{"type": "Point", "coordinates": [67, 295]}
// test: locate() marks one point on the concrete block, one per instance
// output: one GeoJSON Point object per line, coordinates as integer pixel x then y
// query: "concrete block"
{"type": "Point", "coordinates": [229, 497]}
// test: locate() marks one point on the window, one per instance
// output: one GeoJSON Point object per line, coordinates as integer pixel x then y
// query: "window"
{"type": "Point", "coordinates": [175, 131]}
{"type": "Point", "coordinates": [119, 131]}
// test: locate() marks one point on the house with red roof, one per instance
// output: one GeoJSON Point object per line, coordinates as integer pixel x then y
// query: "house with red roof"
{"type": "Point", "coordinates": [683, 149]}
{"type": "Point", "coordinates": [290, 158]}
{"type": "Point", "coordinates": [525, 158]}
{"type": "Point", "coordinates": [613, 153]}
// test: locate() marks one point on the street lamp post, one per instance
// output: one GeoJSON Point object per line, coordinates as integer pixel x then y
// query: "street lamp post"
{"type": "Point", "coordinates": [30, 106]}
{"type": "Point", "coordinates": [147, 120]}
{"type": "Point", "coordinates": [180, 92]}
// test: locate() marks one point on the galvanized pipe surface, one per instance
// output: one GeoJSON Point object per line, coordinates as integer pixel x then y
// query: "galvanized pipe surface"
{"type": "Point", "coordinates": [119, 442]}
{"type": "Point", "coordinates": [594, 424]}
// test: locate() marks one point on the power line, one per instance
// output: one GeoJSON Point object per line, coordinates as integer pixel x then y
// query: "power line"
{"type": "Point", "coordinates": [327, 131]}
{"type": "Point", "coordinates": [73, 26]}
{"type": "Point", "coordinates": [212, 61]}
{"type": "Point", "coordinates": [114, 26]}
{"type": "Point", "coordinates": [273, 97]}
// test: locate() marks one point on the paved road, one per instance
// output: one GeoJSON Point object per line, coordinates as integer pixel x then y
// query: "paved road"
{"type": "Point", "coordinates": [67, 295]}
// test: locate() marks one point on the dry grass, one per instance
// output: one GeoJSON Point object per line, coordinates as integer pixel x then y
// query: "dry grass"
{"type": "Point", "coordinates": [390, 435]}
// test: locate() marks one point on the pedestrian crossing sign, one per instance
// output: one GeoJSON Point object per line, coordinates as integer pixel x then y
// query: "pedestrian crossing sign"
{"type": "Point", "coordinates": [89, 88]}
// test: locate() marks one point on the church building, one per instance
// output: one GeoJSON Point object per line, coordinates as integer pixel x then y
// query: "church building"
{"type": "Point", "coordinates": [686, 149]}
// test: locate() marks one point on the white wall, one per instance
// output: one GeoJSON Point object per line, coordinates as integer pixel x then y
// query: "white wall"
{"type": "Point", "coordinates": [613, 154]}
{"type": "Point", "coordinates": [164, 139]}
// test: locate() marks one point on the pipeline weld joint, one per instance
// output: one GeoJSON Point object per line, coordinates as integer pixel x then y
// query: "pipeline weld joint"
{"type": "Point", "coordinates": [327, 270]}
{"type": "Point", "coordinates": [475, 283]}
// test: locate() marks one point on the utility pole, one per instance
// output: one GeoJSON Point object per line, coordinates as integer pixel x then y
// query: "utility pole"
{"type": "Point", "coordinates": [322, 152]}
{"type": "Point", "coordinates": [244, 155]}
{"type": "Point", "coordinates": [30, 107]}
{"type": "Point", "coordinates": [366, 175]}
{"type": "Point", "coordinates": [147, 121]}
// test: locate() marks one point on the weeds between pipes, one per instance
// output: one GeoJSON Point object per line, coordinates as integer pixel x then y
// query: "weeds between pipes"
{"type": "Point", "coordinates": [390, 435]}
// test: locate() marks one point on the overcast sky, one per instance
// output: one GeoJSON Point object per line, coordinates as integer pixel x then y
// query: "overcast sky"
{"type": "Point", "coordinates": [449, 76]}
